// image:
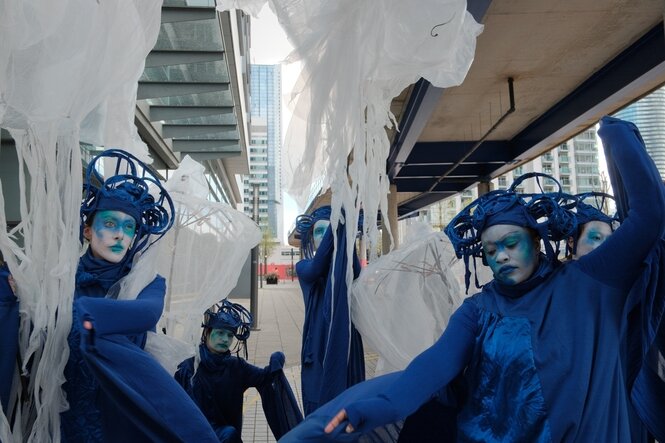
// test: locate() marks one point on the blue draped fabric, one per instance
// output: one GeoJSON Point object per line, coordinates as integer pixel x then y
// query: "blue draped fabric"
{"type": "Point", "coordinates": [220, 382]}
{"type": "Point", "coordinates": [111, 379]}
{"type": "Point", "coordinates": [332, 352]}
{"type": "Point", "coordinates": [9, 322]}
{"type": "Point", "coordinates": [645, 329]}
{"type": "Point", "coordinates": [570, 316]}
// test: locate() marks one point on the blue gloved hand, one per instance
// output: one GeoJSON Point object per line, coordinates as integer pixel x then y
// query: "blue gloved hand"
{"type": "Point", "coordinates": [277, 360]}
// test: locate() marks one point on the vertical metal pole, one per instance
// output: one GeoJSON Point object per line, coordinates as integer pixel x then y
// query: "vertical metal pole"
{"type": "Point", "coordinates": [262, 274]}
{"type": "Point", "coordinates": [293, 271]}
{"type": "Point", "coordinates": [254, 290]}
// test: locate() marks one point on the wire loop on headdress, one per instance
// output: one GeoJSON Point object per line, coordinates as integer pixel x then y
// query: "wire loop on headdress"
{"type": "Point", "coordinates": [130, 189]}
{"type": "Point", "coordinates": [544, 212]}
{"type": "Point", "coordinates": [230, 316]}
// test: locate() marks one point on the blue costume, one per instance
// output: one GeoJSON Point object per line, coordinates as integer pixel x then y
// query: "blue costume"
{"type": "Point", "coordinates": [221, 379]}
{"type": "Point", "coordinates": [542, 358]}
{"type": "Point", "coordinates": [116, 391]}
{"type": "Point", "coordinates": [644, 326]}
{"type": "Point", "coordinates": [9, 322]}
{"type": "Point", "coordinates": [332, 352]}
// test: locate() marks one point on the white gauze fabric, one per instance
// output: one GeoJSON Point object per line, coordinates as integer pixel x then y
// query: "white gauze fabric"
{"type": "Point", "coordinates": [59, 62]}
{"type": "Point", "coordinates": [401, 303]}
{"type": "Point", "coordinates": [357, 56]}
{"type": "Point", "coordinates": [201, 258]}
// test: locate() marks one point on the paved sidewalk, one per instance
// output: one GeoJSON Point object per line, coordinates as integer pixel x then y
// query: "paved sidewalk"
{"type": "Point", "coordinates": [281, 314]}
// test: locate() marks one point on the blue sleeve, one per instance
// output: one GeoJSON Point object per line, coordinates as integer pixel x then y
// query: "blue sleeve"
{"type": "Point", "coordinates": [618, 260]}
{"type": "Point", "coordinates": [256, 377]}
{"type": "Point", "coordinates": [425, 375]}
{"type": "Point", "coordinates": [127, 317]}
{"type": "Point", "coordinates": [9, 324]}
{"type": "Point", "coordinates": [310, 270]}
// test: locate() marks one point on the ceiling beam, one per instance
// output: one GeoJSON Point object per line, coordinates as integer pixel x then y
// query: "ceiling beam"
{"type": "Point", "coordinates": [179, 131]}
{"type": "Point", "coordinates": [206, 146]}
{"type": "Point", "coordinates": [158, 113]}
{"type": "Point", "coordinates": [168, 57]}
{"type": "Point", "coordinates": [172, 89]}
{"type": "Point", "coordinates": [173, 14]}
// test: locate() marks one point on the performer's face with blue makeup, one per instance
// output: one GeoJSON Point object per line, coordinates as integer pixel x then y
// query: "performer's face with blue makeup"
{"type": "Point", "coordinates": [318, 231]}
{"type": "Point", "coordinates": [219, 340]}
{"type": "Point", "coordinates": [511, 252]}
{"type": "Point", "coordinates": [110, 235]}
{"type": "Point", "coordinates": [593, 234]}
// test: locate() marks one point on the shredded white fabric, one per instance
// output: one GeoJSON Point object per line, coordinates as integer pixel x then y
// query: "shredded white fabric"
{"type": "Point", "coordinates": [356, 57]}
{"type": "Point", "coordinates": [201, 257]}
{"type": "Point", "coordinates": [61, 62]}
{"type": "Point", "coordinates": [401, 303]}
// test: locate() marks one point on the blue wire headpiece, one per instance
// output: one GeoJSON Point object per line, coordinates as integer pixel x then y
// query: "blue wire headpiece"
{"type": "Point", "coordinates": [127, 189]}
{"type": "Point", "coordinates": [587, 212]}
{"type": "Point", "coordinates": [544, 212]}
{"type": "Point", "coordinates": [588, 209]}
{"type": "Point", "coordinates": [305, 227]}
{"type": "Point", "coordinates": [232, 317]}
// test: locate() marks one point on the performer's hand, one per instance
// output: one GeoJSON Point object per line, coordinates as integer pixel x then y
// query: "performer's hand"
{"type": "Point", "coordinates": [338, 420]}
{"type": "Point", "coordinates": [87, 324]}
{"type": "Point", "coordinates": [12, 283]}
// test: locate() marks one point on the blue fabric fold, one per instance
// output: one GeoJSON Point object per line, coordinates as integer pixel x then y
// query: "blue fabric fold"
{"type": "Point", "coordinates": [332, 351]}
{"type": "Point", "coordinates": [9, 324]}
{"type": "Point", "coordinates": [645, 305]}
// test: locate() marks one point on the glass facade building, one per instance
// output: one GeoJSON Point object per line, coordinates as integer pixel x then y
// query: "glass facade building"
{"type": "Point", "coordinates": [265, 148]}
{"type": "Point", "coordinates": [648, 114]}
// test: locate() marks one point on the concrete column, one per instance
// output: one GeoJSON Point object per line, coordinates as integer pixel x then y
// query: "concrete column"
{"type": "Point", "coordinates": [392, 218]}
{"type": "Point", "coordinates": [484, 187]}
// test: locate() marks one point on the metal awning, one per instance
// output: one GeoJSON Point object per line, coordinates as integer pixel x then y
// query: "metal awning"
{"type": "Point", "coordinates": [570, 62]}
{"type": "Point", "coordinates": [187, 85]}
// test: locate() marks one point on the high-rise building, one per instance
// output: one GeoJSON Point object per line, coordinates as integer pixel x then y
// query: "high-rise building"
{"type": "Point", "coordinates": [648, 114]}
{"type": "Point", "coordinates": [574, 164]}
{"type": "Point", "coordinates": [265, 148]}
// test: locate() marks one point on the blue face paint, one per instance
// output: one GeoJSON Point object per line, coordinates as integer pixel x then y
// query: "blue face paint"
{"type": "Point", "coordinates": [113, 221]}
{"type": "Point", "coordinates": [510, 253]}
{"type": "Point", "coordinates": [111, 234]}
{"type": "Point", "coordinates": [594, 233]}
{"type": "Point", "coordinates": [318, 231]}
{"type": "Point", "coordinates": [220, 340]}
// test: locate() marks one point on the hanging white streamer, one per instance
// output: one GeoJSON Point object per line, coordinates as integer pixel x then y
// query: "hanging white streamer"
{"type": "Point", "coordinates": [60, 62]}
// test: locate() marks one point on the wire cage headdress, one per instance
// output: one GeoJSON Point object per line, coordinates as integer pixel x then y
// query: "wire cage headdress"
{"type": "Point", "coordinates": [546, 212]}
{"type": "Point", "coordinates": [305, 227]}
{"type": "Point", "coordinates": [588, 207]}
{"type": "Point", "coordinates": [230, 316]}
{"type": "Point", "coordinates": [129, 188]}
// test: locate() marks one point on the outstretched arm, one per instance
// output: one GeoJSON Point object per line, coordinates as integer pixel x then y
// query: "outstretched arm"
{"type": "Point", "coordinates": [617, 261]}
{"type": "Point", "coordinates": [109, 316]}
{"type": "Point", "coordinates": [425, 375]}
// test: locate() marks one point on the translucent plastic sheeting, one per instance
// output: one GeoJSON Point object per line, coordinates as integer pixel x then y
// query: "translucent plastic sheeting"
{"type": "Point", "coordinates": [61, 63]}
{"type": "Point", "coordinates": [201, 257]}
{"type": "Point", "coordinates": [401, 302]}
{"type": "Point", "coordinates": [357, 56]}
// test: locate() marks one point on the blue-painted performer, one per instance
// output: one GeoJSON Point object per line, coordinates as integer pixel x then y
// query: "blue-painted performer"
{"type": "Point", "coordinates": [218, 381]}
{"type": "Point", "coordinates": [332, 351]}
{"type": "Point", "coordinates": [540, 344]}
{"type": "Point", "coordinates": [116, 391]}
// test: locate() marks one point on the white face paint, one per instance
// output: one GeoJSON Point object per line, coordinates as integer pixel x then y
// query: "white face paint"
{"type": "Point", "coordinates": [110, 235]}
{"type": "Point", "coordinates": [510, 252]}
{"type": "Point", "coordinates": [318, 231]}
{"type": "Point", "coordinates": [593, 234]}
